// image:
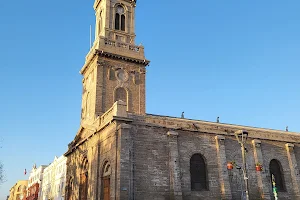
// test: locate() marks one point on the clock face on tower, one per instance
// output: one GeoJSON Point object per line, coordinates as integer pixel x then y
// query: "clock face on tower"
{"type": "Point", "coordinates": [122, 75]}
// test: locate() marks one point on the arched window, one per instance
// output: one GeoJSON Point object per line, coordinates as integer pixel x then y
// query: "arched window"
{"type": "Point", "coordinates": [117, 21]}
{"type": "Point", "coordinates": [83, 187]}
{"type": "Point", "coordinates": [277, 175]}
{"type": "Point", "coordinates": [106, 181]}
{"type": "Point", "coordinates": [123, 22]}
{"type": "Point", "coordinates": [198, 173]}
{"type": "Point", "coordinates": [120, 18]}
{"type": "Point", "coordinates": [20, 188]}
{"type": "Point", "coordinates": [121, 94]}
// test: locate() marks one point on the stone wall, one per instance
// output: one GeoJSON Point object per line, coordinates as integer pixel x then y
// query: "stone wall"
{"type": "Point", "coordinates": [132, 80]}
{"type": "Point", "coordinates": [156, 150]}
{"type": "Point", "coordinates": [150, 158]}
{"type": "Point", "coordinates": [101, 79]}
{"type": "Point", "coordinates": [97, 150]}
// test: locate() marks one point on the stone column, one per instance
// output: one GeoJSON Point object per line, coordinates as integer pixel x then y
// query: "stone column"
{"type": "Point", "coordinates": [262, 180]}
{"type": "Point", "coordinates": [222, 166]}
{"type": "Point", "coordinates": [294, 169]}
{"type": "Point", "coordinates": [174, 167]}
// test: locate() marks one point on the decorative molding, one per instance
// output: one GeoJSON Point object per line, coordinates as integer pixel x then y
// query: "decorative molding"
{"type": "Point", "coordinates": [219, 128]}
{"type": "Point", "coordinates": [172, 133]}
{"type": "Point", "coordinates": [220, 137]}
{"type": "Point", "coordinates": [289, 145]}
{"type": "Point", "coordinates": [256, 143]}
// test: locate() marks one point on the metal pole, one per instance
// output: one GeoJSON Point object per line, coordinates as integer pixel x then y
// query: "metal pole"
{"type": "Point", "coordinates": [245, 170]}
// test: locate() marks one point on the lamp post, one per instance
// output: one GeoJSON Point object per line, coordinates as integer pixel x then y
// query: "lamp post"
{"type": "Point", "coordinates": [241, 137]}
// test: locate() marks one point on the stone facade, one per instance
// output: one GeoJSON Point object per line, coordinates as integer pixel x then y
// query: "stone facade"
{"type": "Point", "coordinates": [150, 158]}
{"type": "Point", "coordinates": [18, 191]}
{"type": "Point", "coordinates": [120, 152]}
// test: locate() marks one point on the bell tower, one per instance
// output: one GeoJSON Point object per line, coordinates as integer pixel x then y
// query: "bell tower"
{"type": "Point", "coordinates": [114, 68]}
{"type": "Point", "coordinates": [115, 20]}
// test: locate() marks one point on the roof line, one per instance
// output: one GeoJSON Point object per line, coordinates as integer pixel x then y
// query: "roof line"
{"type": "Point", "coordinates": [216, 123]}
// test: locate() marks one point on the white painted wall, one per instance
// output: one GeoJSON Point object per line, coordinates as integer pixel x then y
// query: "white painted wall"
{"type": "Point", "coordinates": [54, 180]}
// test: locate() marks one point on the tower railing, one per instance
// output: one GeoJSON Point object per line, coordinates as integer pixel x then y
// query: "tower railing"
{"type": "Point", "coordinates": [118, 48]}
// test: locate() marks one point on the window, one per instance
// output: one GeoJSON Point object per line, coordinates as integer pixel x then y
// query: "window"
{"type": "Point", "coordinates": [121, 94]}
{"type": "Point", "coordinates": [62, 187]}
{"type": "Point", "coordinates": [107, 170]}
{"type": "Point", "coordinates": [120, 18]}
{"type": "Point", "coordinates": [19, 189]}
{"type": "Point", "coordinates": [198, 173]}
{"type": "Point", "coordinates": [277, 175]}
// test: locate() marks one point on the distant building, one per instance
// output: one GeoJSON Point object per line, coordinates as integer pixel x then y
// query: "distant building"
{"type": "Point", "coordinates": [54, 178]}
{"type": "Point", "coordinates": [18, 191]}
{"type": "Point", "coordinates": [34, 182]}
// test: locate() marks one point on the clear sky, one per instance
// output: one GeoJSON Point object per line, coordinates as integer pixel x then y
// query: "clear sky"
{"type": "Point", "coordinates": [235, 59]}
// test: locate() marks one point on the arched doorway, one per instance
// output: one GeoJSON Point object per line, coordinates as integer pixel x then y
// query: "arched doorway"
{"type": "Point", "coordinates": [83, 187]}
{"type": "Point", "coordinates": [106, 181]}
{"type": "Point", "coordinates": [198, 173]}
{"type": "Point", "coordinates": [277, 178]}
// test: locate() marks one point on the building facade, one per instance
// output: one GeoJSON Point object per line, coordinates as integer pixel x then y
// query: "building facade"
{"type": "Point", "coordinates": [35, 182]}
{"type": "Point", "coordinates": [18, 191]}
{"type": "Point", "coordinates": [120, 152]}
{"type": "Point", "coordinates": [54, 178]}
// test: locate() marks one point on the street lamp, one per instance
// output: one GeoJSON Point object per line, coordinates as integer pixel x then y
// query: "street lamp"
{"type": "Point", "coordinates": [241, 137]}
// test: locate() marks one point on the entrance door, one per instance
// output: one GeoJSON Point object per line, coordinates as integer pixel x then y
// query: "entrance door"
{"type": "Point", "coordinates": [83, 186]}
{"type": "Point", "coordinates": [106, 188]}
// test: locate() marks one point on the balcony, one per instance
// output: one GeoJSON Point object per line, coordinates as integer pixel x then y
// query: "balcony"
{"type": "Point", "coordinates": [118, 48]}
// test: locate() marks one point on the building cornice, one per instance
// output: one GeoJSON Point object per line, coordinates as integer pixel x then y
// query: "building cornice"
{"type": "Point", "coordinates": [118, 113]}
{"type": "Point", "coordinates": [219, 128]}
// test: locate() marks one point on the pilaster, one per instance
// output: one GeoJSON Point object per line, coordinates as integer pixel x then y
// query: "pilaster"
{"type": "Point", "coordinates": [261, 176]}
{"type": "Point", "coordinates": [125, 188]}
{"type": "Point", "coordinates": [222, 166]}
{"type": "Point", "coordinates": [174, 167]}
{"type": "Point", "coordinates": [294, 169]}
{"type": "Point", "coordinates": [100, 109]}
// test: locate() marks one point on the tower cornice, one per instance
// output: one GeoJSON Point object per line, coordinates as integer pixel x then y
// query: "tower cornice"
{"type": "Point", "coordinates": [113, 56]}
{"type": "Point", "coordinates": [117, 50]}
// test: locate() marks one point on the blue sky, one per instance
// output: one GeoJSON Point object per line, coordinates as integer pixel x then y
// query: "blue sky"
{"type": "Point", "coordinates": [235, 59]}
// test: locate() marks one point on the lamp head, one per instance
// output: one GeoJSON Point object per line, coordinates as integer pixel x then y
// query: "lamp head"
{"type": "Point", "coordinates": [241, 135]}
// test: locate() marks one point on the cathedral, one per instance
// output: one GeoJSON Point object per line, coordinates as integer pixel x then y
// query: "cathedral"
{"type": "Point", "coordinates": [122, 153]}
